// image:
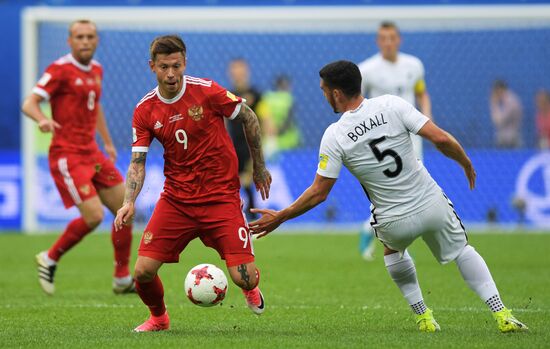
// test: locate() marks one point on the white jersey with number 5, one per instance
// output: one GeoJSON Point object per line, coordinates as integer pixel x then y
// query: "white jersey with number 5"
{"type": "Point", "coordinates": [373, 142]}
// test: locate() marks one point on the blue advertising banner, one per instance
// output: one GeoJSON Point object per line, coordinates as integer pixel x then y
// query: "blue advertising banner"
{"type": "Point", "coordinates": [10, 190]}
{"type": "Point", "coordinates": [511, 190]}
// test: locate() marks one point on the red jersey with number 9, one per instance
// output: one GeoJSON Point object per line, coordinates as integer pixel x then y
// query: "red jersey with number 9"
{"type": "Point", "coordinates": [200, 163]}
{"type": "Point", "coordinates": [73, 90]}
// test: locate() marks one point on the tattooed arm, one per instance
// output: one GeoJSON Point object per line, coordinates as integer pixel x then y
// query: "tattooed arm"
{"type": "Point", "coordinates": [134, 182]}
{"type": "Point", "coordinates": [251, 126]}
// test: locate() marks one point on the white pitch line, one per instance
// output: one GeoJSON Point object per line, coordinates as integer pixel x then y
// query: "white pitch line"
{"type": "Point", "coordinates": [285, 307]}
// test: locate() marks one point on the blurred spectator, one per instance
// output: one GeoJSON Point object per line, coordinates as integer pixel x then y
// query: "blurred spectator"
{"type": "Point", "coordinates": [239, 74]}
{"type": "Point", "coordinates": [276, 113]}
{"type": "Point", "coordinates": [543, 118]}
{"type": "Point", "coordinates": [506, 114]}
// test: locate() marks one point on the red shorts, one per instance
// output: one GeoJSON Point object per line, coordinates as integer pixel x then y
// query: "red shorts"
{"type": "Point", "coordinates": [78, 177]}
{"type": "Point", "coordinates": [221, 226]}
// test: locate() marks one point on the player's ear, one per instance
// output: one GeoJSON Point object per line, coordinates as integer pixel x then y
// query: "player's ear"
{"type": "Point", "coordinates": [152, 65]}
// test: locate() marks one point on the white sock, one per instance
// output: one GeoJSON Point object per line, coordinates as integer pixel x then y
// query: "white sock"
{"type": "Point", "coordinates": [475, 272]}
{"type": "Point", "coordinates": [403, 273]}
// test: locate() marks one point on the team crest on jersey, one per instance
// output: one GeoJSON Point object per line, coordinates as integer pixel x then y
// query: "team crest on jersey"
{"type": "Point", "coordinates": [98, 80]}
{"type": "Point", "coordinates": [85, 189]}
{"type": "Point", "coordinates": [323, 160]}
{"type": "Point", "coordinates": [147, 237]}
{"type": "Point", "coordinates": [97, 168]}
{"type": "Point", "coordinates": [196, 112]}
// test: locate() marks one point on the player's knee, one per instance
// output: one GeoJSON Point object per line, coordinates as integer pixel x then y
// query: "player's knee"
{"type": "Point", "coordinates": [94, 218]}
{"type": "Point", "coordinates": [143, 274]}
{"type": "Point", "coordinates": [465, 253]}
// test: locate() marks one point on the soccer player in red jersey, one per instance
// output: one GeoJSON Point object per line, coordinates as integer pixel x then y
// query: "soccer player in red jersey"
{"type": "Point", "coordinates": [201, 192]}
{"type": "Point", "coordinates": [84, 176]}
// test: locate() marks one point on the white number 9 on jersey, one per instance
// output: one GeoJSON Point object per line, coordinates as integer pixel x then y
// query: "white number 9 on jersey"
{"type": "Point", "coordinates": [91, 100]}
{"type": "Point", "coordinates": [181, 137]}
{"type": "Point", "coordinates": [244, 236]}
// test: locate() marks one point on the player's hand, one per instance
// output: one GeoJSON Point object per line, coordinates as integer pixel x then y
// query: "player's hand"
{"type": "Point", "coordinates": [269, 221]}
{"type": "Point", "coordinates": [111, 151]}
{"type": "Point", "coordinates": [124, 215]}
{"type": "Point", "coordinates": [262, 181]}
{"type": "Point", "coordinates": [471, 174]}
{"type": "Point", "coordinates": [48, 125]}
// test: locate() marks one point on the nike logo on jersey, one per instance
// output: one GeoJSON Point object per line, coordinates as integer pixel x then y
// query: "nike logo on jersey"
{"type": "Point", "coordinates": [158, 125]}
{"type": "Point", "coordinates": [362, 128]}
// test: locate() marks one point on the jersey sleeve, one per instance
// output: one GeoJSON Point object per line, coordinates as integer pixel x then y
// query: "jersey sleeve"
{"type": "Point", "coordinates": [225, 102]}
{"type": "Point", "coordinates": [141, 133]}
{"type": "Point", "coordinates": [50, 82]}
{"type": "Point", "coordinates": [412, 119]}
{"type": "Point", "coordinates": [330, 156]}
{"type": "Point", "coordinates": [100, 82]}
{"type": "Point", "coordinates": [420, 84]}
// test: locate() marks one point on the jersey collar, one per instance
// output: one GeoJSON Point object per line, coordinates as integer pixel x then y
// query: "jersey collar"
{"type": "Point", "coordinates": [358, 108]}
{"type": "Point", "coordinates": [79, 65]}
{"type": "Point", "coordinates": [177, 97]}
{"type": "Point", "coordinates": [390, 62]}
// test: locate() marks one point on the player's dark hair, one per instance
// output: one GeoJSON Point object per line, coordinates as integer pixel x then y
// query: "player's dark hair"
{"type": "Point", "coordinates": [344, 76]}
{"type": "Point", "coordinates": [167, 44]}
{"type": "Point", "coordinates": [500, 84]}
{"type": "Point", "coordinates": [80, 21]}
{"type": "Point", "coordinates": [389, 25]}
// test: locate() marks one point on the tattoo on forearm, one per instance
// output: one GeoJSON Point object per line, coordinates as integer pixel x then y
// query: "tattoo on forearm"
{"type": "Point", "coordinates": [138, 158]}
{"type": "Point", "coordinates": [253, 134]}
{"type": "Point", "coordinates": [135, 177]}
{"type": "Point", "coordinates": [244, 276]}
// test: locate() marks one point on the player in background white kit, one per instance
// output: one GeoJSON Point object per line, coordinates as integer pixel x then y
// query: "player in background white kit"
{"type": "Point", "coordinates": [371, 139]}
{"type": "Point", "coordinates": [394, 73]}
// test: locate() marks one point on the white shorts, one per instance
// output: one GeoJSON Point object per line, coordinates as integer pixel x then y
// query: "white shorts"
{"type": "Point", "coordinates": [439, 226]}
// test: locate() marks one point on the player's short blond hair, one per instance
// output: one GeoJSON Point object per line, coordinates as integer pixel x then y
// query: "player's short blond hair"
{"type": "Point", "coordinates": [167, 44]}
{"type": "Point", "coordinates": [81, 21]}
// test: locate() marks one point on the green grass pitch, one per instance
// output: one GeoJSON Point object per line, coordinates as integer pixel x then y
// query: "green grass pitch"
{"type": "Point", "coordinates": [319, 294]}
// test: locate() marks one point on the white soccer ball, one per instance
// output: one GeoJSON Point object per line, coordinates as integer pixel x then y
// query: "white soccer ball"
{"type": "Point", "coordinates": [205, 285]}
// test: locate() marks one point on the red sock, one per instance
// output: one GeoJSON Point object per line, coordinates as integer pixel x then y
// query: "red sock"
{"type": "Point", "coordinates": [74, 232]}
{"type": "Point", "coordinates": [152, 294]}
{"type": "Point", "coordinates": [122, 243]}
{"type": "Point", "coordinates": [257, 278]}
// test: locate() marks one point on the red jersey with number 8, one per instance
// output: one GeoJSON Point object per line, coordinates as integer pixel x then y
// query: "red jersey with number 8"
{"type": "Point", "coordinates": [73, 90]}
{"type": "Point", "coordinates": [200, 163]}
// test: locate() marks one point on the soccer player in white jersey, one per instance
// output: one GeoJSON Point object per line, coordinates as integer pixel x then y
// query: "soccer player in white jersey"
{"type": "Point", "coordinates": [399, 74]}
{"type": "Point", "coordinates": [371, 139]}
